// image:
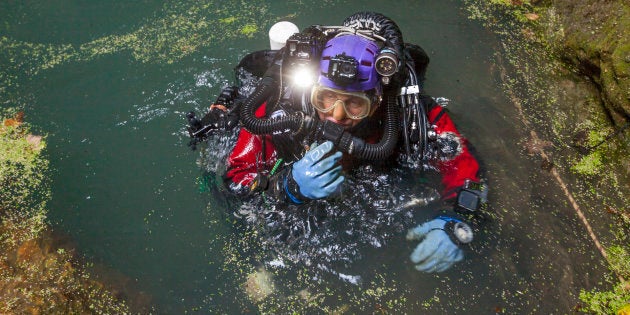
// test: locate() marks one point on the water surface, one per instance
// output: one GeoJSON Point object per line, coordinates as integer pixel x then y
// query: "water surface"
{"type": "Point", "coordinates": [134, 197]}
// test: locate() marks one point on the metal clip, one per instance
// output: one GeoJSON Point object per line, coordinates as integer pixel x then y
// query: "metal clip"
{"type": "Point", "coordinates": [412, 89]}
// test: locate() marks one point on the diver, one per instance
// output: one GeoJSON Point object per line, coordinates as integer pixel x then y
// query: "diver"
{"type": "Point", "coordinates": [363, 103]}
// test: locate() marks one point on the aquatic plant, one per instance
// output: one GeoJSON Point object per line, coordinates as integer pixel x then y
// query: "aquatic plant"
{"type": "Point", "coordinates": [617, 297]}
{"type": "Point", "coordinates": [24, 189]}
{"type": "Point", "coordinates": [36, 276]}
{"type": "Point", "coordinates": [569, 112]}
{"type": "Point", "coordinates": [182, 30]}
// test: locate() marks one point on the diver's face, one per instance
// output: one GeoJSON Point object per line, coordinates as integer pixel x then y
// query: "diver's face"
{"type": "Point", "coordinates": [345, 109]}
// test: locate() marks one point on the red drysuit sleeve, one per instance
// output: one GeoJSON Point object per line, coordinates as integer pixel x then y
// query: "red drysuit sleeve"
{"type": "Point", "coordinates": [246, 158]}
{"type": "Point", "coordinates": [454, 168]}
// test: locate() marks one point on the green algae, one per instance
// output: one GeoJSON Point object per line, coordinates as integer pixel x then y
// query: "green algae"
{"type": "Point", "coordinates": [24, 188]}
{"type": "Point", "coordinates": [543, 84]}
{"type": "Point", "coordinates": [182, 31]}
{"type": "Point", "coordinates": [188, 31]}
{"type": "Point", "coordinates": [36, 276]}
{"type": "Point", "coordinates": [249, 30]}
{"type": "Point", "coordinates": [590, 164]}
{"type": "Point", "coordinates": [611, 301]}
{"type": "Point", "coordinates": [597, 41]}
{"type": "Point", "coordinates": [563, 107]}
{"type": "Point", "coordinates": [228, 20]}
{"type": "Point", "coordinates": [49, 282]}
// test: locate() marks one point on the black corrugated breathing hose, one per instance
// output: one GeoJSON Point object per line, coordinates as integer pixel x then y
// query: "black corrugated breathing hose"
{"type": "Point", "coordinates": [300, 122]}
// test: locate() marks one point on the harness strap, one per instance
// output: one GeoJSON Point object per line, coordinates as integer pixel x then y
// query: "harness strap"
{"type": "Point", "coordinates": [439, 115]}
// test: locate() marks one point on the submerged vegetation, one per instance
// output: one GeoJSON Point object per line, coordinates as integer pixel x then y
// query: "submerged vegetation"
{"type": "Point", "coordinates": [38, 273]}
{"type": "Point", "coordinates": [551, 48]}
{"type": "Point", "coordinates": [182, 30]}
{"type": "Point", "coordinates": [37, 276]}
{"type": "Point", "coordinates": [617, 298]}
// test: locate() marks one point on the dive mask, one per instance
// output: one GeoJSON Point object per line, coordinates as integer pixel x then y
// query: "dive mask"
{"type": "Point", "coordinates": [357, 105]}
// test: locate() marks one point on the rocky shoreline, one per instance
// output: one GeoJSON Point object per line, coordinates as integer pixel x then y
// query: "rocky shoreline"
{"type": "Point", "coordinates": [596, 40]}
{"type": "Point", "coordinates": [40, 272]}
{"type": "Point", "coordinates": [591, 38]}
{"type": "Point", "coordinates": [569, 63]}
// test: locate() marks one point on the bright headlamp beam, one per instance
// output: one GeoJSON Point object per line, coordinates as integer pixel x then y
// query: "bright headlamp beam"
{"type": "Point", "coordinates": [302, 77]}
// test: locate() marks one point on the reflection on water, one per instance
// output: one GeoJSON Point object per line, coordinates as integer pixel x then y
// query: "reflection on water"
{"type": "Point", "coordinates": [128, 190]}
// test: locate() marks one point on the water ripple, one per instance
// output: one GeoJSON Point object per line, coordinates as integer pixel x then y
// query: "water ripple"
{"type": "Point", "coordinates": [331, 234]}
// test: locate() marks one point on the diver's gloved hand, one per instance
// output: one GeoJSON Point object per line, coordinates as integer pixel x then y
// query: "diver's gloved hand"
{"type": "Point", "coordinates": [438, 250]}
{"type": "Point", "coordinates": [315, 175]}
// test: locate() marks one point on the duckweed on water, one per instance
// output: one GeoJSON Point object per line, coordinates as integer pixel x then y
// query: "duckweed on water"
{"type": "Point", "coordinates": [183, 30]}
{"type": "Point", "coordinates": [23, 184]}
{"type": "Point", "coordinates": [593, 162]}
{"type": "Point", "coordinates": [179, 31]}
{"type": "Point", "coordinates": [35, 276]}
{"type": "Point", "coordinates": [558, 108]}
{"type": "Point", "coordinates": [249, 30]}
{"type": "Point", "coordinates": [590, 164]}
{"type": "Point", "coordinates": [276, 288]}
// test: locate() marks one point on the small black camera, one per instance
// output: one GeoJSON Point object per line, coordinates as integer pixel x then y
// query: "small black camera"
{"type": "Point", "coordinates": [343, 69]}
{"type": "Point", "coordinates": [472, 197]}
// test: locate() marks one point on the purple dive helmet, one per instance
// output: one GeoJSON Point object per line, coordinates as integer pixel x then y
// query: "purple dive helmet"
{"type": "Point", "coordinates": [348, 64]}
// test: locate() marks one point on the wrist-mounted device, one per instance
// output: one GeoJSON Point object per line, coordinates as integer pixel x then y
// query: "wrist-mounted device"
{"type": "Point", "coordinates": [458, 231]}
{"type": "Point", "coordinates": [472, 197]}
{"type": "Point", "coordinates": [292, 190]}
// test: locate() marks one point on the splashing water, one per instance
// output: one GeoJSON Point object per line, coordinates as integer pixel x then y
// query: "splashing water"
{"type": "Point", "coordinates": [329, 235]}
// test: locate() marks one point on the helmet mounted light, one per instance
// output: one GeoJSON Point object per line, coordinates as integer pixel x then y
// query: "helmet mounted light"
{"type": "Point", "coordinates": [386, 64]}
{"type": "Point", "coordinates": [303, 51]}
{"type": "Point", "coordinates": [303, 76]}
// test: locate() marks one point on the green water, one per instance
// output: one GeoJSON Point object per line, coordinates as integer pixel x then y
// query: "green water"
{"type": "Point", "coordinates": [109, 83]}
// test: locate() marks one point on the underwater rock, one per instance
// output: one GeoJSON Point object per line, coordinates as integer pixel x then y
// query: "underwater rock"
{"type": "Point", "coordinates": [259, 285]}
{"type": "Point", "coordinates": [38, 277]}
{"type": "Point", "coordinates": [595, 40]}
{"type": "Point", "coordinates": [35, 142]}
{"type": "Point", "coordinates": [29, 251]}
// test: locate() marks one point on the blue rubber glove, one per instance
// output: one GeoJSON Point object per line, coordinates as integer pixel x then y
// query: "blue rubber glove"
{"type": "Point", "coordinates": [436, 252]}
{"type": "Point", "coordinates": [316, 176]}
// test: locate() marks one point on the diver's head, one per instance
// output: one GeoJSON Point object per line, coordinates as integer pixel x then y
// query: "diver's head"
{"type": "Point", "coordinates": [348, 89]}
